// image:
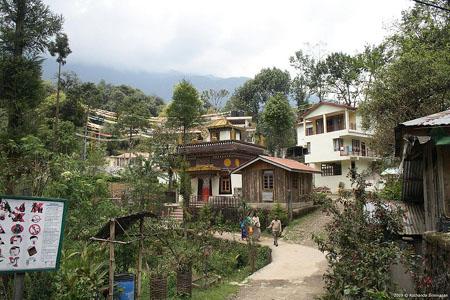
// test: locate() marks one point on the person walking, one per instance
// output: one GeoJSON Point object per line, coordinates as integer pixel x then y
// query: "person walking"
{"type": "Point", "coordinates": [243, 226]}
{"type": "Point", "coordinates": [257, 227]}
{"type": "Point", "coordinates": [276, 229]}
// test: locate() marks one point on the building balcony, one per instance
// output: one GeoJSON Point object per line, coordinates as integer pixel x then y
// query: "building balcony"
{"type": "Point", "coordinates": [215, 201]}
{"type": "Point", "coordinates": [360, 153]}
{"type": "Point", "coordinates": [221, 146]}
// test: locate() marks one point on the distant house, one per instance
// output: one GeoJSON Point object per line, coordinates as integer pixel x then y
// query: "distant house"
{"type": "Point", "coordinates": [212, 160]}
{"type": "Point", "coordinates": [330, 138]}
{"type": "Point", "coordinates": [267, 180]}
{"type": "Point", "coordinates": [117, 163]}
{"type": "Point", "coordinates": [423, 145]}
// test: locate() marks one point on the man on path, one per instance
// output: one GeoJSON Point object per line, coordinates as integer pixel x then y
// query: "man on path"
{"type": "Point", "coordinates": [276, 229]}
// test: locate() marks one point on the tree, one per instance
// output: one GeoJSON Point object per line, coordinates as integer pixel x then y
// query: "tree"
{"type": "Point", "coordinates": [26, 28]}
{"type": "Point", "coordinates": [133, 114]}
{"type": "Point", "coordinates": [277, 124]}
{"type": "Point", "coordinates": [59, 48]}
{"type": "Point", "coordinates": [416, 79]}
{"type": "Point", "coordinates": [214, 97]}
{"type": "Point", "coordinates": [310, 79]}
{"type": "Point", "coordinates": [301, 85]}
{"type": "Point", "coordinates": [343, 77]}
{"type": "Point", "coordinates": [185, 110]}
{"type": "Point", "coordinates": [252, 96]}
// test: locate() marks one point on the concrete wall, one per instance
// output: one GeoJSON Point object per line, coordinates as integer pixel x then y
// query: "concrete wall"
{"type": "Point", "coordinates": [332, 182]}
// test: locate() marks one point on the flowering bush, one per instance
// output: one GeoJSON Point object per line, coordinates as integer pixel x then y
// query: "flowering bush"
{"type": "Point", "coordinates": [360, 245]}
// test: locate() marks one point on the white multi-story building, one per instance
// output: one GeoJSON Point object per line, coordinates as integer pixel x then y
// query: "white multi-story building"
{"type": "Point", "coordinates": [335, 143]}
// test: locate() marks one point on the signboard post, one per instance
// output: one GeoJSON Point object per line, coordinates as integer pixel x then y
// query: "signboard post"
{"type": "Point", "coordinates": [31, 233]}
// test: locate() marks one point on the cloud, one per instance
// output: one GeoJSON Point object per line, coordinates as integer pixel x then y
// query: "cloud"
{"type": "Point", "coordinates": [225, 38]}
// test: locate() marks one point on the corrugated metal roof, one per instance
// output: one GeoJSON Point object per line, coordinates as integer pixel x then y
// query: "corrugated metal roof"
{"type": "Point", "coordinates": [438, 119]}
{"type": "Point", "coordinates": [413, 216]}
{"type": "Point", "coordinates": [413, 219]}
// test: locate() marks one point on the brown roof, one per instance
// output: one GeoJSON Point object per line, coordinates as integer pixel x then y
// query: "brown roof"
{"type": "Point", "coordinates": [222, 123]}
{"type": "Point", "coordinates": [326, 103]}
{"type": "Point", "coordinates": [287, 164]}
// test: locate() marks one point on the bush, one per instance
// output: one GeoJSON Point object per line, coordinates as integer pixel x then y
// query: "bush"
{"type": "Point", "coordinates": [279, 212]}
{"type": "Point", "coordinates": [318, 198]}
{"type": "Point", "coordinates": [392, 190]}
{"type": "Point", "coordinates": [360, 246]}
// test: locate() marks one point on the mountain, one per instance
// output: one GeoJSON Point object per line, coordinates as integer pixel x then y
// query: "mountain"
{"type": "Point", "coordinates": [152, 83]}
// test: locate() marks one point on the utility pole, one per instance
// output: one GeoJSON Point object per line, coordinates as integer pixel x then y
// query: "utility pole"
{"type": "Point", "coordinates": [112, 235]}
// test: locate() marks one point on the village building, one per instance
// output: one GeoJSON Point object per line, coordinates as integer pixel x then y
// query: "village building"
{"type": "Point", "coordinates": [212, 160]}
{"type": "Point", "coordinates": [267, 180]}
{"type": "Point", "coordinates": [423, 145]}
{"type": "Point", "coordinates": [331, 139]}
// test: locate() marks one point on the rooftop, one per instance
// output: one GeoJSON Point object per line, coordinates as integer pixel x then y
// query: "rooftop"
{"type": "Point", "coordinates": [221, 146]}
{"type": "Point", "coordinates": [315, 106]}
{"type": "Point", "coordinates": [284, 163]}
{"type": "Point", "coordinates": [439, 119]}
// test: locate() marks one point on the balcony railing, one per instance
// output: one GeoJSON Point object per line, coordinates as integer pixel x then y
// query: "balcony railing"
{"type": "Point", "coordinates": [351, 152]}
{"type": "Point", "coordinates": [215, 201]}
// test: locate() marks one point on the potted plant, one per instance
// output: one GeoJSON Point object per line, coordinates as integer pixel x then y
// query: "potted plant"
{"type": "Point", "coordinates": [158, 282]}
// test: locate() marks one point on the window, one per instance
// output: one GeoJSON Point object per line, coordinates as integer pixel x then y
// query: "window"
{"type": "Point", "coordinates": [338, 144]}
{"type": "Point", "coordinates": [319, 126]}
{"type": "Point", "coordinates": [225, 185]}
{"type": "Point", "coordinates": [309, 131]}
{"type": "Point", "coordinates": [335, 123]}
{"type": "Point", "coordinates": [215, 136]}
{"type": "Point", "coordinates": [331, 169]}
{"type": "Point", "coordinates": [268, 180]}
{"type": "Point", "coordinates": [356, 146]}
{"type": "Point", "coordinates": [295, 181]}
{"type": "Point", "coordinates": [363, 149]}
{"type": "Point", "coordinates": [308, 148]}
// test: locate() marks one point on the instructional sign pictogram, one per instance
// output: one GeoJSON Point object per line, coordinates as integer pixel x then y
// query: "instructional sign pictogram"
{"type": "Point", "coordinates": [31, 232]}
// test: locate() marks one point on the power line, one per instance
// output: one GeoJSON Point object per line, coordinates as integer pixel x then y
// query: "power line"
{"type": "Point", "coordinates": [432, 5]}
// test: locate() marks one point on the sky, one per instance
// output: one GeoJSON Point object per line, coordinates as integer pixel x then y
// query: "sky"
{"type": "Point", "coordinates": [217, 37]}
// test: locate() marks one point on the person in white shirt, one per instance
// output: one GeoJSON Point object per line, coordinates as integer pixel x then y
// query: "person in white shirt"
{"type": "Point", "coordinates": [257, 227]}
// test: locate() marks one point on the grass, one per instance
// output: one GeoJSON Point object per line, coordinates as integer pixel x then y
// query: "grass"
{"type": "Point", "coordinates": [223, 290]}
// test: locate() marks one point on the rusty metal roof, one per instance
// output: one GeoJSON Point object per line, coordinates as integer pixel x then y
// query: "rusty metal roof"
{"type": "Point", "coordinates": [439, 119]}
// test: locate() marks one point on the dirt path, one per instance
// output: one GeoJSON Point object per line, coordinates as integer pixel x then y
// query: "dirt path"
{"type": "Point", "coordinates": [300, 232]}
{"type": "Point", "coordinates": [296, 269]}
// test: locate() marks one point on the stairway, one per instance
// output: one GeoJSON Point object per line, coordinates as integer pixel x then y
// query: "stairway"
{"type": "Point", "coordinates": [176, 214]}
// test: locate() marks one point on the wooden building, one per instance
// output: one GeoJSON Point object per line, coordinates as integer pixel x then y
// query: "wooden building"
{"type": "Point", "coordinates": [211, 162]}
{"type": "Point", "coordinates": [423, 145]}
{"type": "Point", "coordinates": [267, 180]}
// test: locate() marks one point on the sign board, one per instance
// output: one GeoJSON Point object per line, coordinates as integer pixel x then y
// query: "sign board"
{"type": "Point", "coordinates": [267, 196]}
{"type": "Point", "coordinates": [31, 233]}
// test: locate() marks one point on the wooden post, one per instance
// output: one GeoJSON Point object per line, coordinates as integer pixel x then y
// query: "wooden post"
{"type": "Point", "coordinates": [19, 279]}
{"type": "Point", "coordinates": [112, 234]}
{"type": "Point", "coordinates": [139, 266]}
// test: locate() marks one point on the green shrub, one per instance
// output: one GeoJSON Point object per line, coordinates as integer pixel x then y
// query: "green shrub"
{"type": "Point", "coordinates": [318, 198]}
{"type": "Point", "coordinates": [360, 246]}
{"type": "Point", "coordinates": [279, 212]}
{"type": "Point", "coordinates": [392, 190]}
